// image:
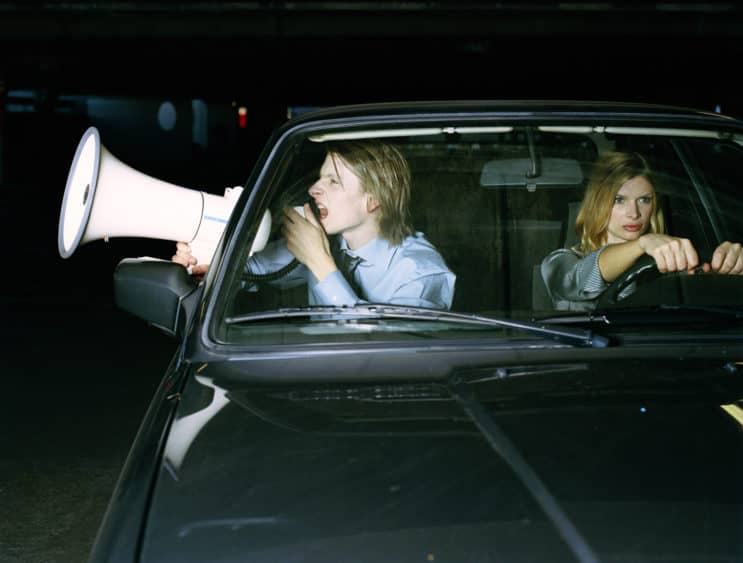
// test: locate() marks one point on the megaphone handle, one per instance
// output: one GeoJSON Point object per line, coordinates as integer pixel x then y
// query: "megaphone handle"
{"type": "Point", "coordinates": [203, 267]}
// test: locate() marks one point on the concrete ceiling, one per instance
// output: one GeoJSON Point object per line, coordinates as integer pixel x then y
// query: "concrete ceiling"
{"type": "Point", "coordinates": [374, 50]}
{"type": "Point", "coordinates": [309, 19]}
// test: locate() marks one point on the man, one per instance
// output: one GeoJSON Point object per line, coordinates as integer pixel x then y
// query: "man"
{"type": "Point", "coordinates": [362, 198]}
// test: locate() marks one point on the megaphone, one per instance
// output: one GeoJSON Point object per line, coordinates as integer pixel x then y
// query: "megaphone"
{"type": "Point", "coordinates": [105, 198]}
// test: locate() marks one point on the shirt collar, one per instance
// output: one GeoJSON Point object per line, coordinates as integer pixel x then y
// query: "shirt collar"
{"type": "Point", "coordinates": [376, 251]}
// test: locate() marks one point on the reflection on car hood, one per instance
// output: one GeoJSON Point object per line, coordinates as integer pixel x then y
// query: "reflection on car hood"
{"type": "Point", "coordinates": [647, 468]}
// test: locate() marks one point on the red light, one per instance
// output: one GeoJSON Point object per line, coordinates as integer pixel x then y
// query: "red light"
{"type": "Point", "coordinates": [242, 116]}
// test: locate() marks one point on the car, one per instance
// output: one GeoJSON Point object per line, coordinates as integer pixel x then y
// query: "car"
{"type": "Point", "coordinates": [501, 426]}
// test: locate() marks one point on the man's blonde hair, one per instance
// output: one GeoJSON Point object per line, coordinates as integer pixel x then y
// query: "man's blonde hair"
{"type": "Point", "coordinates": [384, 174]}
{"type": "Point", "coordinates": [610, 173]}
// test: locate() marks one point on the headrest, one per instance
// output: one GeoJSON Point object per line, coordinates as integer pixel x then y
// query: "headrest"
{"type": "Point", "coordinates": [571, 237]}
{"type": "Point", "coordinates": [515, 172]}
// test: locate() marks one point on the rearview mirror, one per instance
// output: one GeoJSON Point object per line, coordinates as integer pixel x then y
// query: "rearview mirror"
{"type": "Point", "coordinates": [528, 173]}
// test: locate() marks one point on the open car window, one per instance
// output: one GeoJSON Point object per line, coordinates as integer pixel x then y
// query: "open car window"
{"type": "Point", "coordinates": [495, 200]}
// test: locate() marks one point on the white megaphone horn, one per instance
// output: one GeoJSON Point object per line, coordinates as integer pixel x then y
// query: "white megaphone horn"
{"type": "Point", "coordinates": [105, 198]}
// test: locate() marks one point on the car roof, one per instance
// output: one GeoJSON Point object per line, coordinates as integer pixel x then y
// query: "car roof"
{"type": "Point", "coordinates": [523, 108]}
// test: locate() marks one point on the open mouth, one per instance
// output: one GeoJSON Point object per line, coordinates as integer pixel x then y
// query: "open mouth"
{"type": "Point", "coordinates": [322, 211]}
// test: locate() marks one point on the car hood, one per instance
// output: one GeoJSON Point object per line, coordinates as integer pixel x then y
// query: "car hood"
{"type": "Point", "coordinates": [645, 468]}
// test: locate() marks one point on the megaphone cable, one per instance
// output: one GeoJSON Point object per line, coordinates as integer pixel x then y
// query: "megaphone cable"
{"type": "Point", "coordinates": [271, 276]}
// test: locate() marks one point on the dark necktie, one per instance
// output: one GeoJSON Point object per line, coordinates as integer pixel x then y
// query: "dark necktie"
{"type": "Point", "coordinates": [347, 265]}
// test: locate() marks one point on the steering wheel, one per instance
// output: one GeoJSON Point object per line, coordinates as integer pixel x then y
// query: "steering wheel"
{"type": "Point", "coordinates": [679, 287]}
{"type": "Point", "coordinates": [642, 271]}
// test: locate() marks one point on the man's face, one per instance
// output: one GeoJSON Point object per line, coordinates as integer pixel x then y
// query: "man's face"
{"type": "Point", "coordinates": [343, 206]}
{"type": "Point", "coordinates": [630, 216]}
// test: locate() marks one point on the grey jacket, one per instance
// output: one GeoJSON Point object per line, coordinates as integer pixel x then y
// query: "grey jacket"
{"type": "Point", "coordinates": [573, 280]}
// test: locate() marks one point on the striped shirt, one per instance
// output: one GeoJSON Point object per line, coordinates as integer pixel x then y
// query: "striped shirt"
{"type": "Point", "coordinates": [574, 281]}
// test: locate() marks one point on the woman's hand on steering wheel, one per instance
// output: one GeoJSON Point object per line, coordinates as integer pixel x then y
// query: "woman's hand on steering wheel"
{"type": "Point", "coordinates": [671, 254]}
{"type": "Point", "coordinates": [728, 258]}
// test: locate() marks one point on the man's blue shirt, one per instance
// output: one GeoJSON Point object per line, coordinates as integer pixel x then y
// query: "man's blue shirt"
{"type": "Point", "coordinates": [412, 273]}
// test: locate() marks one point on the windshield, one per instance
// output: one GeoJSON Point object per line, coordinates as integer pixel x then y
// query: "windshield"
{"type": "Point", "coordinates": [507, 221]}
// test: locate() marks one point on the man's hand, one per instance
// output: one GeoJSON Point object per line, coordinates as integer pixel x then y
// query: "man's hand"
{"type": "Point", "coordinates": [307, 241]}
{"type": "Point", "coordinates": [671, 254]}
{"type": "Point", "coordinates": [728, 258]}
{"type": "Point", "coordinates": [184, 257]}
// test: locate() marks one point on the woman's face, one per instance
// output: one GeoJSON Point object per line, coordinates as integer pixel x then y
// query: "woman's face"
{"type": "Point", "coordinates": [633, 206]}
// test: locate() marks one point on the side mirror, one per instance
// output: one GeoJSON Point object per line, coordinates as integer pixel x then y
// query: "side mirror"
{"type": "Point", "coordinates": [156, 291]}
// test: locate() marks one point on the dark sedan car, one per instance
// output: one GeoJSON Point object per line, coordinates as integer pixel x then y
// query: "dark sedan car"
{"type": "Point", "coordinates": [510, 414]}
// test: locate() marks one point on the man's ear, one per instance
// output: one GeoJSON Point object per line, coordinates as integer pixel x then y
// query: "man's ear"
{"type": "Point", "coordinates": [371, 203]}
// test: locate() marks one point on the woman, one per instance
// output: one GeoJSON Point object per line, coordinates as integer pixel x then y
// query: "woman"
{"type": "Point", "coordinates": [619, 221]}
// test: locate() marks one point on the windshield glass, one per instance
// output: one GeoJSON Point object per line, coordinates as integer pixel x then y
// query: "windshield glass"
{"type": "Point", "coordinates": [509, 221]}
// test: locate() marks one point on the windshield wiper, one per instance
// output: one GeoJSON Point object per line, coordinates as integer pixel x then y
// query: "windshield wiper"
{"type": "Point", "coordinates": [499, 441]}
{"type": "Point", "coordinates": [717, 310]}
{"type": "Point", "coordinates": [571, 336]}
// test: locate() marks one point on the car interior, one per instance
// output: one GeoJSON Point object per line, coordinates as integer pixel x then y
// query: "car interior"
{"type": "Point", "coordinates": [495, 204]}
{"type": "Point", "coordinates": [491, 224]}
{"type": "Point", "coordinates": [491, 237]}
{"type": "Point", "coordinates": [494, 225]}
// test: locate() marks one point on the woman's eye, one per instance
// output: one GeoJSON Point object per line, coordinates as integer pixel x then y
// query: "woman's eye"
{"type": "Point", "coordinates": [619, 200]}
{"type": "Point", "coordinates": [646, 200]}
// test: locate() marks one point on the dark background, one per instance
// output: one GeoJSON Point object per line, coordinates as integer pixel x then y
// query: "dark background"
{"type": "Point", "coordinates": [77, 373]}
{"type": "Point", "coordinates": [66, 66]}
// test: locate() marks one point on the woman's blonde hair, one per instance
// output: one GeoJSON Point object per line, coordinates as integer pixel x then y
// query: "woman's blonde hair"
{"type": "Point", "coordinates": [384, 174]}
{"type": "Point", "coordinates": [610, 172]}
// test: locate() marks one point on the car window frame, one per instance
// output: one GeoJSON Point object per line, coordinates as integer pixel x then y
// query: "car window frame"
{"type": "Point", "coordinates": [262, 185]}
